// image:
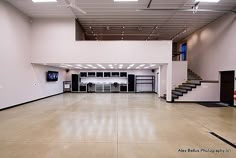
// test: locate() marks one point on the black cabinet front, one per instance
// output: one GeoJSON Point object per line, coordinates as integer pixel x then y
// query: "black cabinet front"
{"type": "Point", "coordinates": [75, 82]}
{"type": "Point", "coordinates": [131, 83]}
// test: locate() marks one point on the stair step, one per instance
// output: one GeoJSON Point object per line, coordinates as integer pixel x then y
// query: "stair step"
{"type": "Point", "coordinates": [181, 90]}
{"type": "Point", "coordinates": [190, 85]}
{"type": "Point", "coordinates": [177, 93]}
{"type": "Point", "coordinates": [196, 82]}
{"type": "Point", "coordinates": [185, 87]}
{"type": "Point", "coordinates": [174, 96]}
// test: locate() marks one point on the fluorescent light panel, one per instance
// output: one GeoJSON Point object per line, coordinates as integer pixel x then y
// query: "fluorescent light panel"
{"type": "Point", "coordinates": [125, 0]}
{"type": "Point", "coordinates": [42, 1]}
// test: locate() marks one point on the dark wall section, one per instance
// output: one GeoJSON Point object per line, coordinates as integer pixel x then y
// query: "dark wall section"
{"type": "Point", "coordinates": [79, 31]}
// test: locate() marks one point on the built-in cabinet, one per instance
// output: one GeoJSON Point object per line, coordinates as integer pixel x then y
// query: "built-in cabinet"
{"type": "Point", "coordinates": [100, 82]}
{"type": "Point", "coordinates": [112, 82]}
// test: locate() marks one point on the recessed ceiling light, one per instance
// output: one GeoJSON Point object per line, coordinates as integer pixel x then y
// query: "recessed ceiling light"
{"type": "Point", "coordinates": [89, 65]}
{"type": "Point", "coordinates": [67, 65]}
{"type": "Point", "coordinates": [131, 65]}
{"type": "Point", "coordinates": [40, 1]}
{"type": "Point", "coordinates": [214, 1]}
{"type": "Point", "coordinates": [142, 65]}
{"type": "Point", "coordinates": [63, 66]}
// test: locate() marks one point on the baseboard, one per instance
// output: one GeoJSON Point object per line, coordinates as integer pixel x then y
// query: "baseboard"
{"type": "Point", "coordinates": [13, 106]}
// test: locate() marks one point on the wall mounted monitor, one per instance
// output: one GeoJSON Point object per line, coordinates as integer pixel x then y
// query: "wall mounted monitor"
{"type": "Point", "coordinates": [115, 74]}
{"type": "Point", "coordinates": [99, 74]}
{"type": "Point", "coordinates": [123, 74]}
{"type": "Point", "coordinates": [83, 74]}
{"type": "Point", "coordinates": [91, 74]}
{"type": "Point", "coordinates": [107, 74]}
{"type": "Point", "coordinates": [52, 76]}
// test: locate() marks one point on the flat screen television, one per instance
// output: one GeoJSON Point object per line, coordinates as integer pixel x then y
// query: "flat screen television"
{"type": "Point", "coordinates": [52, 76]}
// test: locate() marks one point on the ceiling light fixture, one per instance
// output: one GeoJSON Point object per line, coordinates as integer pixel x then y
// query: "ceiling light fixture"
{"type": "Point", "coordinates": [67, 65]}
{"type": "Point", "coordinates": [89, 65]}
{"type": "Point", "coordinates": [125, 0]}
{"type": "Point", "coordinates": [211, 1]}
{"type": "Point", "coordinates": [41, 1]}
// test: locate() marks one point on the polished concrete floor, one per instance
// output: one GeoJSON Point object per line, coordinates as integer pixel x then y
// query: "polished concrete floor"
{"type": "Point", "coordinates": [115, 126]}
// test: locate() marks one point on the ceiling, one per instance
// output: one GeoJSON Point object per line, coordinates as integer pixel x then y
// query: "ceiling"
{"type": "Point", "coordinates": [107, 66]}
{"type": "Point", "coordinates": [108, 19]}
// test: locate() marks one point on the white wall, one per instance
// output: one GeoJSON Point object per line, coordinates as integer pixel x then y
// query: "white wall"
{"type": "Point", "coordinates": [20, 81]}
{"type": "Point", "coordinates": [208, 92]}
{"type": "Point", "coordinates": [213, 49]}
{"type": "Point", "coordinates": [179, 73]}
{"type": "Point", "coordinates": [53, 37]}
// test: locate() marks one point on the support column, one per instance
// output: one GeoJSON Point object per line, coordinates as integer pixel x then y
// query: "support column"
{"type": "Point", "coordinates": [169, 83]}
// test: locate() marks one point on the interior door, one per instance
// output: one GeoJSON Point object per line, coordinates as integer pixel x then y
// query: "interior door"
{"type": "Point", "coordinates": [227, 87]}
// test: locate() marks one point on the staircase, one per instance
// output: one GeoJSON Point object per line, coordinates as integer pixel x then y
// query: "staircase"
{"type": "Point", "coordinates": [194, 80]}
{"type": "Point", "coordinates": [184, 88]}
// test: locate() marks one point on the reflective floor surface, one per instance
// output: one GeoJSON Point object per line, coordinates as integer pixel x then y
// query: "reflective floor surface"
{"type": "Point", "coordinates": [115, 126]}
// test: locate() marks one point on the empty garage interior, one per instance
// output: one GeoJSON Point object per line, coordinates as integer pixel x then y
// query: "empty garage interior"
{"type": "Point", "coordinates": [117, 78]}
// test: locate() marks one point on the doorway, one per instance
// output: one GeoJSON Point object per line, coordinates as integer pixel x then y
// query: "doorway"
{"type": "Point", "coordinates": [227, 87]}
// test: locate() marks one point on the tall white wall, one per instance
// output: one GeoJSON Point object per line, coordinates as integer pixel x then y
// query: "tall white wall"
{"type": "Point", "coordinates": [20, 81]}
{"type": "Point", "coordinates": [213, 49]}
